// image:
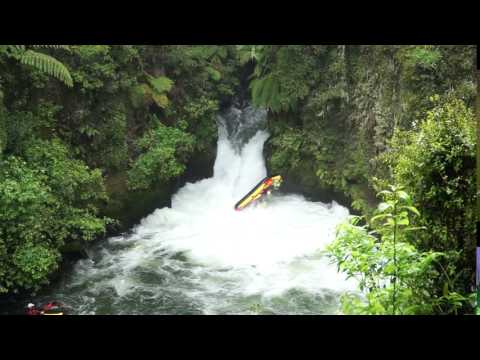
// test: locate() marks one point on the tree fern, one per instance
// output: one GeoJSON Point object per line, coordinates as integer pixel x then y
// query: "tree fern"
{"type": "Point", "coordinates": [155, 90]}
{"type": "Point", "coordinates": [18, 47]}
{"type": "Point", "coordinates": [266, 93]}
{"type": "Point", "coordinates": [47, 64]}
{"type": "Point", "coordinates": [256, 86]}
{"type": "Point", "coordinates": [64, 47]}
{"type": "Point", "coordinates": [161, 84]}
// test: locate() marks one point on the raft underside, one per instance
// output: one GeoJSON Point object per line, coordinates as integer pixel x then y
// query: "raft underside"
{"type": "Point", "coordinates": [253, 194]}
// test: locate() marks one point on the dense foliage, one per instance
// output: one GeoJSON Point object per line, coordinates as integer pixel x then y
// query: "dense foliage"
{"type": "Point", "coordinates": [135, 113]}
{"type": "Point", "coordinates": [352, 100]}
{"type": "Point", "coordinates": [48, 199]}
{"type": "Point", "coordinates": [166, 152]}
{"type": "Point", "coordinates": [436, 164]}
{"type": "Point", "coordinates": [394, 274]}
{"type": "Point", "coordinates": [363, 117]}
{"type": "Point", "coordinates": [82, 127]}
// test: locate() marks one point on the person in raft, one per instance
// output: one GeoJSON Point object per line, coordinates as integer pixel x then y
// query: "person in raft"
{"type": "Point", "coordinates": [32, 310]}
{"type": "Point", "coordinates": [51, 306]}
{"type": "Point", "coordinates": [276, 182]}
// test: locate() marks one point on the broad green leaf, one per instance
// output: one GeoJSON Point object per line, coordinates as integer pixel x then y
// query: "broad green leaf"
{"type": "Point", "coordinates": [412, 209]}
{"type": "Point", "coordinates": [381, 216]}
{"type": "Point", "coordinates": [445, 289]}
{"type": "Point", "coordinates": [415, 228]}
{"type": "Point", "coordinates": [403, 195]}
{"type": "Point", "coordinates": [384, 206]}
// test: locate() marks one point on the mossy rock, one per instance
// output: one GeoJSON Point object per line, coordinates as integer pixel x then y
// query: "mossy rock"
{"type": "Point", "coordinates": [129, 207]}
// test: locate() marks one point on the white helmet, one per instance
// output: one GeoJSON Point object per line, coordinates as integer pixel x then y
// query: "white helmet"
{"type": "Point", "coordinates": [31, 305]}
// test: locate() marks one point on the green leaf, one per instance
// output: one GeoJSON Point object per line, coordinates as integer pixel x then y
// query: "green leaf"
{"type": "Point", "coordinates": [381, 216]}
{"type": "Point", "coordinates": [445, 289]}
{"type": "Point", "coordinates": [412, 209]}
{"type": "Point", "coordinates": [384, 206]}
{"type": "Point", "coordinates": [403, 195]}
{"type": "Point", "coordinates": [384, 192]}
{"type": "Point", "coordinates": [415, 228]}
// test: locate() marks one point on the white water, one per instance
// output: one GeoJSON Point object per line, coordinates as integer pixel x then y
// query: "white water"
{"type": "Point", "coordinates": [201, 256]}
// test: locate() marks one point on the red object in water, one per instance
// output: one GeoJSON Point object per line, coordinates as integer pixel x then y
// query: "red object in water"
{"type": "Point", "coordinates": [48, 306]}
{"type": "Point", "coordinates": [33, 312]}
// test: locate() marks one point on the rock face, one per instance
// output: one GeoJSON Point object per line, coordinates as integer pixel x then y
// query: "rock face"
{"type": "Point", "coordinates": [129, 207]}
{"type": "Point", "coordinates": [303, 181]}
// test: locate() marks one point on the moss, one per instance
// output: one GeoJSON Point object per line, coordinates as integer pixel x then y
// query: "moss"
{"type": "Point", "coordinates": [129, 207]}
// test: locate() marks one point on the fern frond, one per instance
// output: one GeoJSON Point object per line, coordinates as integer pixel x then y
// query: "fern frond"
{"type": "Point", "coordinates": [161, 84]}
{"type": "Point", "coordinates": [266, 93]}
{"type": "Point", "coordinates": [275, 96]}
{"type": "Point", "coordinates": [256, 86]}
{"type": "Point", "coordinates": [64, 47]}
{"type": "Point", "coordinates": [138, 95]}
{"type": "Point", "coordinates": [48, 65]}
{"type": "Point", "coordinates": [12, 50]}
{"type": "Point", "coordinates": [161, 100]}
{"type": "Point", "coordinates": [214, 73]}
{"type": "Point", "coordinates": [244, 57]}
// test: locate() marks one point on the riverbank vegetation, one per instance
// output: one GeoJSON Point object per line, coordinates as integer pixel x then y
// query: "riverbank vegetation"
{"type": "Point", "coordinates": [84, 129]}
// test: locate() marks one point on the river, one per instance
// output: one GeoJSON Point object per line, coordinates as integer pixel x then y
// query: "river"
{"type": "Point", "coordinates": [199, 256]}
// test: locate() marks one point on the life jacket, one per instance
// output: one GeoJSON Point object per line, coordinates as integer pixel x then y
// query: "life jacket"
{"type": "Point", "coordinates": [49, 306]}
{"type": "Point", "coordinates": [33, 312]}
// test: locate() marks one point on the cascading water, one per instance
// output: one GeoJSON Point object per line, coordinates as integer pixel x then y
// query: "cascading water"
{"type": "Point", "coordinates": [202, 257]}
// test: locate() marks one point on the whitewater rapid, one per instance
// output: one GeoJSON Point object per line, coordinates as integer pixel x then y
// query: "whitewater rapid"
{"type": "Point", "coordinates": [199, 256]}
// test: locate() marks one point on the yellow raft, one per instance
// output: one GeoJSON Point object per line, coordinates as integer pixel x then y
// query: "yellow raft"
{"type": "Point", "coordinates": [258, 191]}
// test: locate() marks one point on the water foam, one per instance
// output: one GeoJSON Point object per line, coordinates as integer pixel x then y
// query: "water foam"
{"type": "Point", "coordinates": [201, 256]}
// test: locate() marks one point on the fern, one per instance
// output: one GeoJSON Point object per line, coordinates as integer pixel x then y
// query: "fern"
{"type": "Point", "coordinates": [48, 65]}
{"type": "Point", "coordinates": [13, 51]}
{"type": "Point", "coordinates": [248, 53]}
{"type": "Point", "coordinates": [255, 87]}
{"type": "Point", "coordinates": [64, 47]}
{"type": "Point", "coordinates": [155, 91]}
{"type": "Point", "coordinates": [161, 84]}
{"type": "Point", "coordinates": [138, 95]}
{"type": "Point", "coordinates": [161, 100]}
{"type": "Point", "coordinates": [214, 73]}
{"type": "Point", "coordinates": [266, 93]}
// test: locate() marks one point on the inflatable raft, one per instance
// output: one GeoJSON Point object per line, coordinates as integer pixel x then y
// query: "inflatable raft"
{"type": "Point", "coordinates": [258, 191]}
